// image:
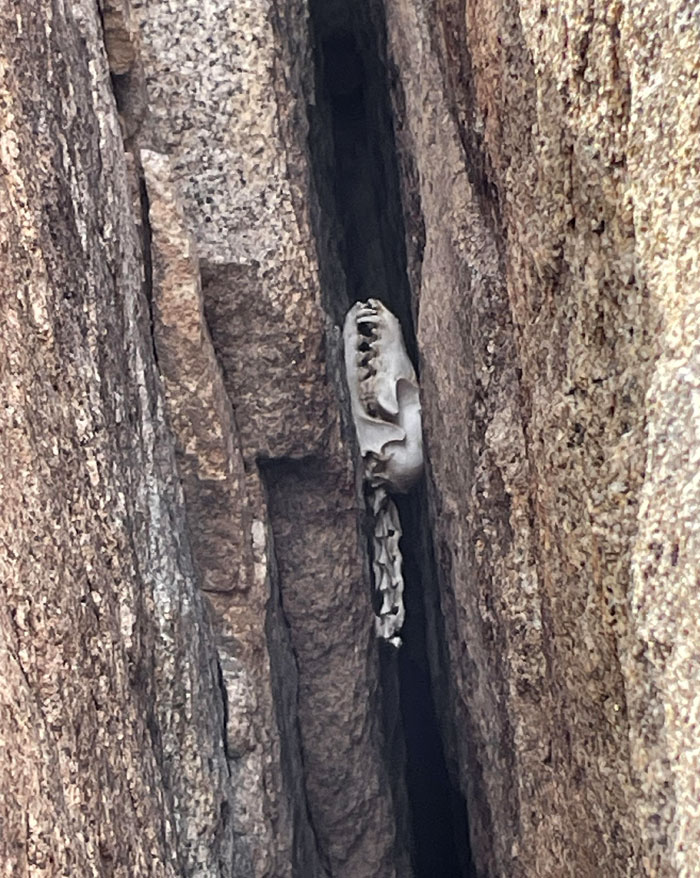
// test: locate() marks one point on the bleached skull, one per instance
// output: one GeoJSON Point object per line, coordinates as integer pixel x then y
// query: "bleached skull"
{"type": "Point", "coordinates": [384, 396]}
{"type": "Point", "coordinates": [386, 411]}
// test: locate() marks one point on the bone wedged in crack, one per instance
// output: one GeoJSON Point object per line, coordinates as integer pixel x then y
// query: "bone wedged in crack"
{"type": "Point", "coordinates": [385, 406]}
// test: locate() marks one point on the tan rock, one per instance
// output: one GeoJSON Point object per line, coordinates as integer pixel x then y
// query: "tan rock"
{"type": "Point", "coordinates": [174, 422]}
{"type": "Point", "coordinates": [111, 754]}
{"type": "Point", "coordinates": [234, 133]}
{"type": "Point", "coordinates": [557, 158]}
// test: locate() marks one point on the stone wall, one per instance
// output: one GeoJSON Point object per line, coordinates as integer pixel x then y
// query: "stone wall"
{"type": "Point", "coordinates": [192, 194]}
{"type": "Point", "coordinates": [112, 758]}
{"type": "Point", "coordinates": [550, 155]}
{"type": "Point", "coordinates": [250, 364]}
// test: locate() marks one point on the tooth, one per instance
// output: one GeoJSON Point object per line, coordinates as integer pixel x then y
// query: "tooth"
{"type": "Point", "coordinates": [366, 372]}
{"type": "Point", "coordinates": [367, 317]}
{"type": "Point", "coordinates": [387, 606]}
{"type": "Point", "coordinates": [384, 557]}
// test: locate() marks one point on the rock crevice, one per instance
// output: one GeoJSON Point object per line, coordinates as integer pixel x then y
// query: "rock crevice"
{"type": "Point", "coordinates": [192, 197]}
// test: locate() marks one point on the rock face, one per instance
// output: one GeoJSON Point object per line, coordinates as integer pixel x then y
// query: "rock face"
{"type": "Point", "coordinates": [192, 196]}
{"type": "Point", "coordinates": [301, 676]}
{"type": "Point", "coordinates": [112, 759]}
{"type": "Point", "coordinates": [550, 160]}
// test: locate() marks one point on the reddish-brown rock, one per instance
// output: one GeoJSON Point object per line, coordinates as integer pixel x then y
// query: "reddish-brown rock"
{"type": "Point", "coordinates": [190, 684]}
{"type": "Point", "coordinates": [550, 152]}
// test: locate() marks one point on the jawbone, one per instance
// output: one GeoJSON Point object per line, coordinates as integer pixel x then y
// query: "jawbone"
{"type": "Point", "coordinates": [385, 402]}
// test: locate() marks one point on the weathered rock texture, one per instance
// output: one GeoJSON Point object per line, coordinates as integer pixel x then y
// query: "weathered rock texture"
{"type": "Point", "coordinates": [112, 759]}
{"type": "Point", "coordinates": [272, 496]}
{"type": "Point", "coordinates": [191, 686]}
{"type": "Point", "coordinates": [551, 187]}
{"type": "Point", "coordinates": [227, 545]}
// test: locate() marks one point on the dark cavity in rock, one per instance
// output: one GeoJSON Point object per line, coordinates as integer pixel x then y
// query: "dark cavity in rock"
{"type": "Point", "coordinates": [359, 227]}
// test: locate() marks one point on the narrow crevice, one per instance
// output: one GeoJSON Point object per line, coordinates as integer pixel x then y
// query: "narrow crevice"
{"type": "Point", "coordinates": [125, 70]}
{"type": "Point", "coordinates": [308, 860]}
{"type": "Point", "coordinates": [438, 808]}
{"type": "Point", "coordinates": [146, 237]}
{"type": "Point", "coordinates": [221, 683]}
{"type": "Point", "coordinates": [354, 162]}
{"type": "Point", "coordinates": [360, 233]}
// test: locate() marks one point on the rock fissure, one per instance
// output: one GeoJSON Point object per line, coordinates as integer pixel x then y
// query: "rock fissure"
{"type": "Point", "coordinates": [146, 240]}
{"type": "Point", "coordinates": [308, 856]}
{"type": "Point", "coordinates": [355, 164]}
{"type": "Point", "coordinates": [531, 219]}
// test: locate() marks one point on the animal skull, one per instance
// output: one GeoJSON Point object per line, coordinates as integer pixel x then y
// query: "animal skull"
{"type": "Point", "coordinates": [384, 396]}
{"type": "Point", "coordinates": [386, 410]}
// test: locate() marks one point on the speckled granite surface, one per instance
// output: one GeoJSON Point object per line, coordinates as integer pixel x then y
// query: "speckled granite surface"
{"type": "Point", "coordinates": [552, 150]}
{"type": "Point", "coordinates": [112, 758]}
{"type": "Point", "coordinates": [226, 85]}
{"type": "Point", "coordinates": [549, 160]}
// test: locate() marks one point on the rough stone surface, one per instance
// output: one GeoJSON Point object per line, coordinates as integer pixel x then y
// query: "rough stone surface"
{"type": "Point", "coordinates": [209, 458]}
{"type": "Point", "coordinates": [550, 154]}
{"type": "Point", "coordinates": [190, 682]}
{"type": "Point", "coordinates": [225, 87]}
{"type": "Point", "coordinates": [111, 755]}
{"type": "Point", "coordinates": [228, 547]}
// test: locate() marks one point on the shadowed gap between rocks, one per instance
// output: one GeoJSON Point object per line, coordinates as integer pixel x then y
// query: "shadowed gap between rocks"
{"type": "Point", "coordinates": [361, 237]}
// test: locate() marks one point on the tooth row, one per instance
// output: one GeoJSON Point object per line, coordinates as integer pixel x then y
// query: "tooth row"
{"type": "Point", "coordinates": [386, 563]}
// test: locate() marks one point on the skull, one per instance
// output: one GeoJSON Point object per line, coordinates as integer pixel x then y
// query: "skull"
{"type": "Point", "coordinates": [384, 396]}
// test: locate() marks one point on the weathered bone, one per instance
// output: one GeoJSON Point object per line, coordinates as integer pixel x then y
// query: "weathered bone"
{"type": "Point", "coordinates": [386, 410]}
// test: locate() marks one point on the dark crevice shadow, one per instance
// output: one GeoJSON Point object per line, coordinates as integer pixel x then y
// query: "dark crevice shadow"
{"type": "Point", "coordinates": [354, 160]}
{"type": "Point", "coordinates": [438, 808]}
{"type": "Point", "coordinates": [360, 233]}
